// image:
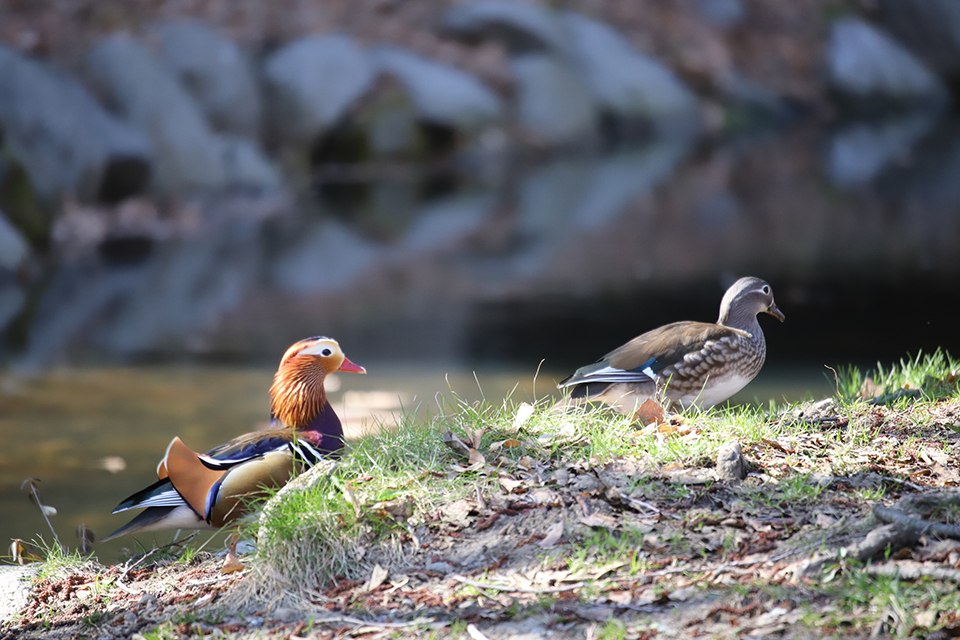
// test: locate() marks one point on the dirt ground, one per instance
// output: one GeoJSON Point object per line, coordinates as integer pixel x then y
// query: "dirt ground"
{"type": "Point", "coordinates": [623, 549]}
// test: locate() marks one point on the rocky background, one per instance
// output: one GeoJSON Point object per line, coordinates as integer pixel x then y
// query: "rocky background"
{"type": "Point", "coordinates": [224, 177]}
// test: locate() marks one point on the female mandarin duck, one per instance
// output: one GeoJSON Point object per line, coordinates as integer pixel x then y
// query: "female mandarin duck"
{"type": "Point", "coordinates": [690, 363]}
{"type": "Point", "coordinates": [207, 491]}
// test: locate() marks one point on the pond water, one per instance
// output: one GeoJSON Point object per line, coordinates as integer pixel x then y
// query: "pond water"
{"type": "Point", "coordinates": [119, 344]}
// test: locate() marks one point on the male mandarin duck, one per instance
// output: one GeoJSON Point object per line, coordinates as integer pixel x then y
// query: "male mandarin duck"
{"type": "Point", "coordinates": [207, 491]}
{"type": "Point", "coordinates": [690, 363]}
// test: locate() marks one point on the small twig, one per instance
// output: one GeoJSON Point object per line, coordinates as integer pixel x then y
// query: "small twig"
{"type": "Point", "coordinates": [905, 483]}
{"type": "Point", "coordinates": [175, 543]}
{"type": "Point", "coordinates": [633, 502]}
{"type": "Point", "coordinates": [497, 587]}
{"type": "Point", "coordinates": [36, 498]}
{"type": "Point", "coordinates": [893, 516]}
{"type": "Point", "coordinates": [913, 571]}
{"type": "Point", "coordinates": [481, 504]}
{"type": "Point", "coordinates": [750, 563]}
{"type": "Point", "coordinates": [128, 589]}
{"type": "Point", "coordinates": [200, 583]}
{"type": "Point", "coordinates": [371, 623]}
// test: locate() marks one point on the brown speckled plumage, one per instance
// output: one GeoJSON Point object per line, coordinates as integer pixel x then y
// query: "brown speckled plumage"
{"type": "Point", "coordinates": [685, 363]}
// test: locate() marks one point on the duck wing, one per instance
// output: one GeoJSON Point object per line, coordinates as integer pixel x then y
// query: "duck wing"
{"type": "Point", "coordinates": [196, 480]}
{"type": "Point", "coordinates": [642, 359]}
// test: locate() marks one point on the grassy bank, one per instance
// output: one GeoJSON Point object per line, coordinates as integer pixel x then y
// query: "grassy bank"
{"type": "Point", "coordinates": [501, 519]}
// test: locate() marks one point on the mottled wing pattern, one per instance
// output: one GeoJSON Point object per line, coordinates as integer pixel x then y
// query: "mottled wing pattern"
{"type": "Point", "coordinates": [674, 349]}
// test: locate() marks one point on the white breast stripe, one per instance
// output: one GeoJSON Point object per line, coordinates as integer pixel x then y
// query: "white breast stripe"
{"type": "Point", "coordinates": [306, 452]}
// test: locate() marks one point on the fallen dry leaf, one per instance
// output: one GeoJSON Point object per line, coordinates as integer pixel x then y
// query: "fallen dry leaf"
{"type": "Point", "coordinates": [451, 440]}
{"type": "Point", "coordinates": [398, 510]}
{"type": "Point", "coordinates": [377, 578]}
{"type": "Point", "coordinates": [547, 497]}
{"type": "Point", "coordinates": [554, 533]}
{"type": "Point", "coordinates": [509, 443]}
{"type": "Point", "coordinates": [945, 475]}
{"type": "Point", "coordinates": [475, 437]}
{"type": "Point", "coordinates": [524, 411]}
{"type": "Point", "coordinates": [650, 412]}
{"type": "Point", "coordinates": [779, 447]}
{"type": "Point", "coordinates": [620, 597]}
{"type": "Point", "coordinates": [476, 466]}
{"type": "Point", "coordinates": [512, 486]}
{"type": "Point", "coordinates": [476, 458]}
{"type": "Point", "coordinates": [599, 520]}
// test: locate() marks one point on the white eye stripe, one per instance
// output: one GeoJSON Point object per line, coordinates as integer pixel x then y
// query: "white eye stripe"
{"type": "Point", "coordinates": [324, 350]}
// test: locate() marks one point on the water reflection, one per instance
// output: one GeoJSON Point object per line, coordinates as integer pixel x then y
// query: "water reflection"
{"type": "Point", "coordinates": [878, 207]}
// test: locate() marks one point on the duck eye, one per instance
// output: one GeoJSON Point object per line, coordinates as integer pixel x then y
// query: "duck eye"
{"type": "Point", "coordinates": [326, 352]}
{"type": "Point", "coordinates": [766, 290]}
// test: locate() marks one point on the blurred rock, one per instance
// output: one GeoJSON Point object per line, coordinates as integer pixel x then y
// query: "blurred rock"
{"type": "Point", "coordinates": [723, 13]}
{"type": "Point", "coordinates": [547, 200]}
{"type": "Point", "coordinates": [64, 139]}
{"type": "Point", "coordinates": [326, 257]}
{"type": "Point", "coordinates": [731, 467]}
{"type": "Point", "coordinates": [566, 201]}
{"type": "Point", "coordinates": [390, 122]}
{"type": "Point", "coordinates": [929, 28]}
{"type": "Point", "coordinates": [216, 74]}
{"type": "Point", "coordinates": [184, 290]}
{"type": "Point", "coordinates": [859, 151]}
{"type": "Point", "coordinates": [188, 154]}
{"type": "Point", "coordinates": [312, 82]}
{"type": "Point", "coordinates": [169, 298]}
{"type": "Point", "coordinates": [442, 94]}
{"type": "Point", "coordinates": [245, 165]}
{"type": "Point", "coordinates": [20, 202]}
{"type": "Point", "coordinates": [929, 178]}
{"type": "Point", "coordinates": [618, 179]}
{"type": "Point", "coordinates": [626, 83]}
{"type": "Point", "coordinates": [445, 222]}
{"type": "Point", "coordinates": [13, 247]}
{"type": "Point", "coordinates": [12, 301]}
{"type": "Point", "coordinates": [750, 105]}
{"type": "Point", "coordinates": [553, 102]}
{"type": "Point", "coordinates": [867, 66]}
{"type": "Point", "coordinates": [522, 26]}
{"type": "Point", "coordinates": [147, 93]}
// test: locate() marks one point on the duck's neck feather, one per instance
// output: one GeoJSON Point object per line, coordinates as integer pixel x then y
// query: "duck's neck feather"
{"type": "Point", "coordinates": [739, 318]}
{"type": "Point", "coordinates": [297, 397]}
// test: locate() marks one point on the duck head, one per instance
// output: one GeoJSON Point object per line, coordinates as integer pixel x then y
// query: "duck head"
{"type": "Point", "coordinates": [744, 300]}
{"type": "Point", "coordinates": [297, 395]}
